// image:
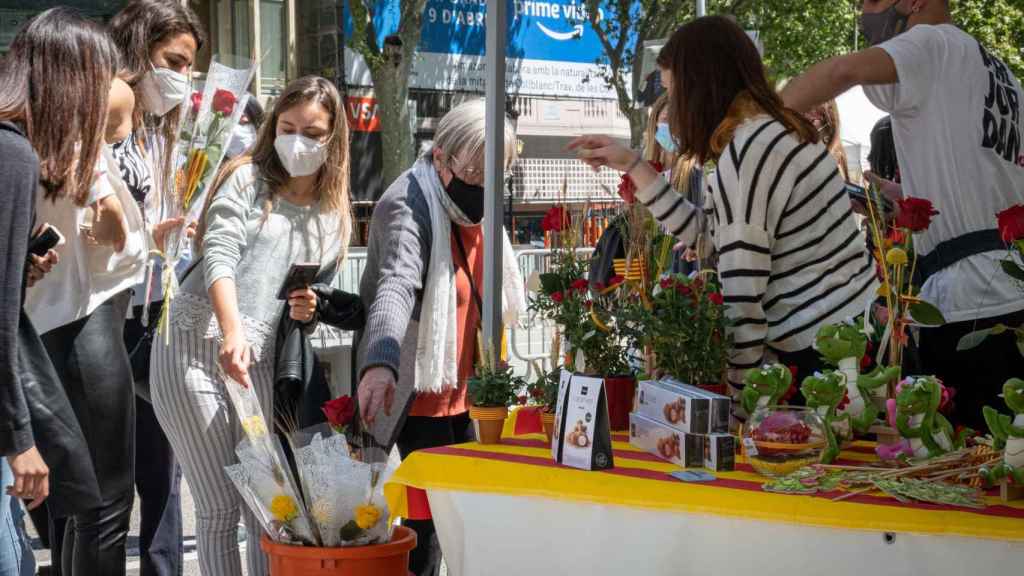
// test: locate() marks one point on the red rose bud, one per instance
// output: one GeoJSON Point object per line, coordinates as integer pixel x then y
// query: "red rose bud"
{"type": "Point", "coordinates": [683, 289]}
{"type": "Point", "coordinates": [224, 102]}
{"type": "Point", "coordinates": [339, 412]}
{"type": "Point", "coordinates": [589, 303]}
{"type": "Point", "coordinates": [580, 285]}
{"type": "Point", "coordinates": [666, 283]}
{"type": "Point", "coordinates": [1011, 223]}
{"type": "Point", "coordinates": [844, 402]}
{"type": "Point", "coordinates": [197, 100]}
{"type": "Point", "coordinates": [716, 298]}
{"type": "Point", "coordinates": [915, 214]}
{"type": "Point", "coordinates": [558, 297]}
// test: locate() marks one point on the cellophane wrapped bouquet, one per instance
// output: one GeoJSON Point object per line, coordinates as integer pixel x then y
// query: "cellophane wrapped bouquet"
{"type": "Point", "coordinates": [341, 502]}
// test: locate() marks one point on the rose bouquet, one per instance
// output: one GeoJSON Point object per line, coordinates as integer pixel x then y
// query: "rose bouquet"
{"type": "Point", "coordinates": [896, 264]}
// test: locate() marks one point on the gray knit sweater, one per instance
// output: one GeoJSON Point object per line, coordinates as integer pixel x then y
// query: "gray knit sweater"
{"type": "Point", "coordinates": [392, 288]}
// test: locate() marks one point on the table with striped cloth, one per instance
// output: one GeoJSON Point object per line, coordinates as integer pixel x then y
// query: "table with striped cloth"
{"type": "Point", "coordinates": [519, 475]}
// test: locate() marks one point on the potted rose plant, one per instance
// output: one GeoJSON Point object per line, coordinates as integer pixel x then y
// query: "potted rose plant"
{"type": "Point", "coordinates": [491, 391]}
{"type": "Point", "coordinates": [544, 394]}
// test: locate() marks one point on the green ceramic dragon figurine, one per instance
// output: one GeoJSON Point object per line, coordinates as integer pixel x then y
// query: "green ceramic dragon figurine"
{"type": "Point", "coordinates": [843, 345]}
{"type": "Point", "coordinates": [764, 386]}
{"type": "Point", "coordinates": [1008, 434]}
{"type": "Point", "coordinates": [918, 419]}
{"type": "Point", "coordinates": [824, 392]}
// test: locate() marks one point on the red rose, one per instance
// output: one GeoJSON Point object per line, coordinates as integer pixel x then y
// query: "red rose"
{"type": "Point", "coordinates": [666, 283]}
{"type": "Point", "coordinates": [589, 304]}
{"type": "Point", "coordinates": [521, 400]}
{"type": "Point", "coordinates": [1011, 223]}
{"type": "Point", "coordinates": [580, 285]}
{"type": "Point", "coordinates": [558, 297]}
{"type": "Point", "coordinates": [716, 298]}
{"type": "Point", "coordinates": [555, 220]}
{"type": "Point", "coordinates": [339, 412]}
{"type": "Point", "coordinates": [683, 289]}
{"type": "Point", "coordinates": [615, 280]}
{"type": "Point", "coordinates": [224, 102]}
{"type": "Point", "coordinates": [896, 237]}
{"type": "Point", "coordinates": [197, 99]}
{"type": "Point", "coordinates": [915, 214]}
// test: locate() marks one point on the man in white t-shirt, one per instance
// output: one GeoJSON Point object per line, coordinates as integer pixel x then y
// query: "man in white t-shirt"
{"type": "Point", "coordinates": [957, 122]}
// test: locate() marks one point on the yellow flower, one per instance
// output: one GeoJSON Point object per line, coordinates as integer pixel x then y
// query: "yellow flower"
{"type": "Point", "coordinates": [283, 508]}
{"type": "Point", "coordinates": [367, 516]}
{"type": "Point", "coordinates": [254, 427]}
{"type": "Point", "coordinates": [896, 257]}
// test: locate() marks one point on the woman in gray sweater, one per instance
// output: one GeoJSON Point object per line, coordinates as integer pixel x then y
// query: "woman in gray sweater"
{"type": "Point", "coordinates": [285, 202]}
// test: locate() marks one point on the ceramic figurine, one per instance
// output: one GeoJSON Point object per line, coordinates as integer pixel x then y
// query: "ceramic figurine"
{"type": "Point", "coordinates": [915, 413]}
{"type": "Point", "coordinates": [1008, 434]}
{"type": "Point", "coordinates": [843, 346]}
{"type": "Point", "coordinates": [824, 393]}
{"type": "Point", "coordinates": [764, 386]}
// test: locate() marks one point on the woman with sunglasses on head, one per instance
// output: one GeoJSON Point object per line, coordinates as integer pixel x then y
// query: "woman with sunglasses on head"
{"type": "Point", "coordinates": [285, 201]}
{"type": "Point", "coordinates": [54, 88]}
{"type": "Point", "coordinates": [789, 255]}
{"type": "Point", "coordinates": [158, 40]}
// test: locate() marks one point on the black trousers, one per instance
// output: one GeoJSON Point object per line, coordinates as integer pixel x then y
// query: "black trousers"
{"type": "Point", "coordinates": [977, 375]}
{"type": "Point", "coordinates": [91, 360]}
{"type": "Point", "coordinates": [157, 474]}
{"type": "Point", "coordinates": [419, 433]}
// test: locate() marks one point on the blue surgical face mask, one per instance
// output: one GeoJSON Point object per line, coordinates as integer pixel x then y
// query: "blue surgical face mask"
{"type": "Point", "coordinates": [664, 138]}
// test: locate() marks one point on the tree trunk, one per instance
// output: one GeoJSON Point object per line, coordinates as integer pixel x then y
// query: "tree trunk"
{"type": "Point", "coordinates": [391, 86]}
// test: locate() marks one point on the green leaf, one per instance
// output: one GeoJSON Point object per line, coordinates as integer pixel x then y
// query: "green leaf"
{"type": "Point", "coordinates": [998, 329]}
{"type": "Point", "coordinates": [925, 313]}
{"type": "Point", "coordinates": [551, 282]}
{"type": "Point", "coordinates": [973, 339]}
{"type": "Point", "coordinates": [1013, 269]}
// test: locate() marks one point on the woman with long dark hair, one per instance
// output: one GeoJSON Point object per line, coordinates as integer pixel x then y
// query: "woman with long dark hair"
{"type": "Point", "coordinates": [285, 201]}
{"type": "Point", "coordinates": [54, 87]}
{"type": "Point", "coordinates": [158, 40]}
{"type": "Point", "coordinates": [789, 255]}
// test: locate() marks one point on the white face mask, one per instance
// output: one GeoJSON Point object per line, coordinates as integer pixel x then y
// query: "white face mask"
{"type": "Point", "coordinates": [300, 156]}
{"type": "Point", "coordinates": [162, 89]}
{"type": "Point", "coordinates": [242, 139]}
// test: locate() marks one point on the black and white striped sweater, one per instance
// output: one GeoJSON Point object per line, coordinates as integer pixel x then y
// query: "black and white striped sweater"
{"type": "Point", "coordinates": [790, 255]}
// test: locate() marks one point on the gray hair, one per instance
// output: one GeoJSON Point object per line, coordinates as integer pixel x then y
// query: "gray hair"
{"type": "Point", "coordinates": [461, 133]}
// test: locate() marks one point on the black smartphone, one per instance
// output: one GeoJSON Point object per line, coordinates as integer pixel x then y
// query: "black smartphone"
{"type": "Point", "coordinates": [860, 193]}
{"type": "Point", "coordinates": [47, 239]}
{"type": "Point", "coordinates": [300, 275]}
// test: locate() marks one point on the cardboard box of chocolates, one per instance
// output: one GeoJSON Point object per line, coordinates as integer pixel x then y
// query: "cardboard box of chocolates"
{"type": "Point", "coordinates": [720, 409]}
{"type": "Point", "coordinates": [673, 406]}
{"type": "Point", "coordinates": [720, 452]}
{"type": "Point", "coordinates": [685, 450]}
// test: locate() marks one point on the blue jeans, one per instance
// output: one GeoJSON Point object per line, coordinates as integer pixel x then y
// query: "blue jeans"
{"type": "Point", "coordinates": [16, 557]}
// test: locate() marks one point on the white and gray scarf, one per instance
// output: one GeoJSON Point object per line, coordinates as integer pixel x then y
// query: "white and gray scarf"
{"type": "Point", "coordinates": [437, 344]}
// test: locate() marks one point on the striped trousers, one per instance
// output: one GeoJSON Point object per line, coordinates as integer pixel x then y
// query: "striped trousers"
{"type": "Point", "coordinates": [193, 408]}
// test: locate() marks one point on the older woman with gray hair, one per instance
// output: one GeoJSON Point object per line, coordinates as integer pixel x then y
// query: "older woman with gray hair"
{"type": "Point", "coordinates": [421, 287]}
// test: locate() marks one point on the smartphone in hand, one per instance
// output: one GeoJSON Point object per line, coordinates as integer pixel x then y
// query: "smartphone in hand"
{"type": "Point", "coordinates": [47, 239]}
{"type": "Point", "coordinates": [300, 275]}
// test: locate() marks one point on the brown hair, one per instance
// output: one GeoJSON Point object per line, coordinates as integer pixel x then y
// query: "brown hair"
{"type": "Point", "coordinates": [333, 177]}
{"type": "Point", "coordinates": [136, 29]}
{"type": "Point", "coordinates": [55, 82]}
{"type": "Point", "coordinates": [652, 150]}
{"type": "Point", "coordinates": [830, 134]}
{"type": "Point", "coordinates": [713, 62]}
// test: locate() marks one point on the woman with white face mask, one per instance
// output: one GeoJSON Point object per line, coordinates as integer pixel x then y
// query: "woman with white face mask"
{"type": "Point", "coordinates": [285, 201]}
{"type": "Point", "coordinates": [158, 41]}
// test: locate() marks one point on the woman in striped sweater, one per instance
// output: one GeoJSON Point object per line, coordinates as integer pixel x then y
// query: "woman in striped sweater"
{"type": "Point", "coordinates": [790, 255]}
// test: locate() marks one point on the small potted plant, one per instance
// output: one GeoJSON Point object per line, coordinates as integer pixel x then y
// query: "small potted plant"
{"type": "Point", "coordinates": [491, 391]}
{"type": "Point", "coordinates": [544, 394]}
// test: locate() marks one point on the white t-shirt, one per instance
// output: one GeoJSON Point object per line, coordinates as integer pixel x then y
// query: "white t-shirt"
{"type": "Point", "coordinates": [957, 122]}
{"type": "Point", "coordinates": [86, 276]}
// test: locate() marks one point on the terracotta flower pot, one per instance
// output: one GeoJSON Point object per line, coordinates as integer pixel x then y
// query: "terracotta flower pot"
{"type": "Point", "coordinates": [620, 391]}
{"type": "Point", "coordinates": [391, 559]}
{"type": "Point", "coordinates": [488, 422]}
{"type": "Point", "coordinates": [547, 421]}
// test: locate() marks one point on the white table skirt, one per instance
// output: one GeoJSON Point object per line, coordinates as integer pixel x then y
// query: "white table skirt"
{"type": "Point", "coordinates": [499, 535]}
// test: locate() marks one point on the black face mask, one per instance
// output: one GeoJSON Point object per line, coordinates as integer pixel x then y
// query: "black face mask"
{"type": "Point", "coordinates": [882, 26]}
{"type": "Point", "coordinates": [468, 197]}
